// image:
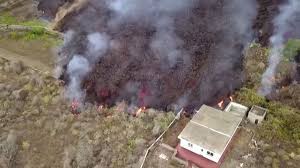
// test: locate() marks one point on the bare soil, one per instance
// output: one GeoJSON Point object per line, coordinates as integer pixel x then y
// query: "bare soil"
{"type": "Point", "coordinates": [33, 53]}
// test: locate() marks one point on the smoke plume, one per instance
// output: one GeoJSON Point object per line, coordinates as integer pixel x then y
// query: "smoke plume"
{"type": "Point", "coordinates": [156, 53]}
{"type": "Point", "coordinates": [79, 66]}
{"type": "Point", "coordinates": [284, 23]}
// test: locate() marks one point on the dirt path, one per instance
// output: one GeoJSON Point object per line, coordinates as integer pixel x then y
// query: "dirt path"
{"type": "Point", "coordinates": [34, 63]}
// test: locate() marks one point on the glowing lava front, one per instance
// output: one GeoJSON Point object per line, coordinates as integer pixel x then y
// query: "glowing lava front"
{"type": "Point", "coordinates": [140, 111]}
{"type": "Point", "coordinates": [221, 104]}
{"type": "Point", "coordinates": [75, 107]}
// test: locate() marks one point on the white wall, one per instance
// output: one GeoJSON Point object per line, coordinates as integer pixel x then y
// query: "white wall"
{"type": "Point", "coordinates": [199, 150]}
{"type": "Point", "coordinates": [252, 117]}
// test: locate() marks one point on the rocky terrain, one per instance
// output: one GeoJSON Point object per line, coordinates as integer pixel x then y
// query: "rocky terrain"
{"type": "Point", "coordinates": [24, 9]}
{"type": "Point", "coordinates": [38, 129]}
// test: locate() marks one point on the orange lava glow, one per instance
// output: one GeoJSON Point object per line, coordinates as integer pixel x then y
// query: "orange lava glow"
{"type": "Point", "coordinates": [100, 107]}
{"type": "Point", "coordinates": [140, 111]}
{"type": "Point", "coordinates": [221, 104]}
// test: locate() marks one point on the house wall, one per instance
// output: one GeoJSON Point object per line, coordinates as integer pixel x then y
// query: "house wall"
{"type": "Point", "coordinates": [252, 117]}
{"type": "Point", "coordinates": [200, 151]}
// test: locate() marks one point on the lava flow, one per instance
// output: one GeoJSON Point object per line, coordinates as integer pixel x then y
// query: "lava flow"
{"type": "Point", "coordinates": [140, 111]}
{"type": "Point", "coordinates": [160, 58]}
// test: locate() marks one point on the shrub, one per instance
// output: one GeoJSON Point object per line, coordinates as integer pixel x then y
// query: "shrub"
{"type": "Point", "coordinates": [291, 49]}
{"type": "Point", "coordinates": [250, 97]}
{"type": "Point", "coordinates": [7, 19]}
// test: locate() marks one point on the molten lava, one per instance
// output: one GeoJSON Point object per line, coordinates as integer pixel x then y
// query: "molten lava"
{"type": "Point", "coordinates": [100, 108]}
{"type": "Point", "coordinates": [75, 107]}
{"type": "Point", "coordinates": [140, 111]}
{"type": "Point", "coordinates": [221, 104]}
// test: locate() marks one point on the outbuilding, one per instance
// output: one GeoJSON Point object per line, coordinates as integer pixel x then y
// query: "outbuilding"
{"type": "Point", "coordinates": [257, 114]}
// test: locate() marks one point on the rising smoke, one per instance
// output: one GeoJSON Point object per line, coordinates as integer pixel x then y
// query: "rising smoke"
{"type": "Point", "coordinates": [156, 52]}
{"type": "Point", "coordinates": [284, 23]}
{"type": "Point", "coordinates": [79, 66]}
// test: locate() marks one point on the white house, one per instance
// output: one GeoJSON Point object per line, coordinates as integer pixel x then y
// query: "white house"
{"type": "Point", "coordinates": [211, 130]}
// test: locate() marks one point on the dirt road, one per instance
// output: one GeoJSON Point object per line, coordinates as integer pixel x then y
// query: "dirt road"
{"type": "Point", "coordinates": [34, 63]}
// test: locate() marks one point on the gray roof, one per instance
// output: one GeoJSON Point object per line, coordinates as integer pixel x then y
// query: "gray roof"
{"type": "Point", "coordinates": [211, 129]}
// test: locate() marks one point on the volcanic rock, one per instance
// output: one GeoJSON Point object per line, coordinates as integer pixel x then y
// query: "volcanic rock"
{"type": "Point", "coordinates": [292, 155]}
{"type": "Point", "coordinates": [267, 160]}
{"type": "Point", "coordinates": [17, 67]}
{"type": "Point", "coordinates": [20, 94]}
{"type": "Point", "coordinates": [68, 157]}
{"type": "Point", "coordinates": [7, 68]}
{"type": "Point", "coordinates": [8, 149]}
{"type": "Point", "coordinates": [281, 152]}
{"type": "Point", "coordinates": [46, 99]}
{"type": "Point", "coordinates": [2, 86]}
{"type": "Point", "coordinates": [297, 157]}
{"type": "Point", "coordinates": [36, 100]}
{"type": "Point", "coordinates": [275, 163]}
{"type": "Point", "coordinates": [19, 105]}
{"type": "Point", "coordinates": [156, 129]}
{"type": "Point", "coordinates": [4, 94]}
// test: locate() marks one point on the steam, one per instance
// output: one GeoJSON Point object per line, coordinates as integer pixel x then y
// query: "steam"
{"type": "Point", "coordinates": [97, 46]}
{"type": "Point", "coordinates": [283, 24]}
{"type": "Point", "coordinates": [223, 72]}
{"type": "Point", "coordinates": [79, 66]}
{"type": "Point", "coordinates": [165, 44]}
{"type": "Point", "coordinates": [180, 52]}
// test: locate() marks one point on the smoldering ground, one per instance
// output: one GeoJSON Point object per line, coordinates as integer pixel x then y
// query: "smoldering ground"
{"type": "Point", "coordinates": [286, 26]}
{"type": "Point", "coordinates": [159, 52]}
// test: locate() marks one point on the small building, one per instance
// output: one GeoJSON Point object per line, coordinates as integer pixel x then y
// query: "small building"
{"type": "Point", "coordinates": [257, 114]}
{"type": "Point", "coordinates": [210, 131]}
{"type": "Point", "coordinates": [236, 109]}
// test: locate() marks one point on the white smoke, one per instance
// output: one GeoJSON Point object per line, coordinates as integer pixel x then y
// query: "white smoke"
{"type": "Point", "coordinates": [58, 70]}
{"type": "Point", "coordinates": [77, 68]}
{"type": "Point", "coordinates": [98, 45]}
{"type": "Point", "coordinates": [167, 30]}
{"type": "Point", "coordinates": [282, 24]}
{"type": "Point", "coordinates": [80, 66]}
{"type": "Point", "coordinates": [166, 45]}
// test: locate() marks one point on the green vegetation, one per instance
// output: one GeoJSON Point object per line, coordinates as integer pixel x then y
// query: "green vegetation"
{"type": "Point", "coordinates": [37, 30]}
{"type": "Point", "coordinates": [131, 145]}
{"type": "Point", "coordinates": [291, 49]}
{"type": "Point", "coordinates": [11, 20]}
{"type": "Point", "coordinates": [35, 34]}
{"type": "Point", "coordinates": [282, 122]}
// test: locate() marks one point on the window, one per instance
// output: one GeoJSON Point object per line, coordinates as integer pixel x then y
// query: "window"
{"type": "Point", "coordinates": [190, 145]}
{"type": "Point", "coordinates": [210, 153]}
